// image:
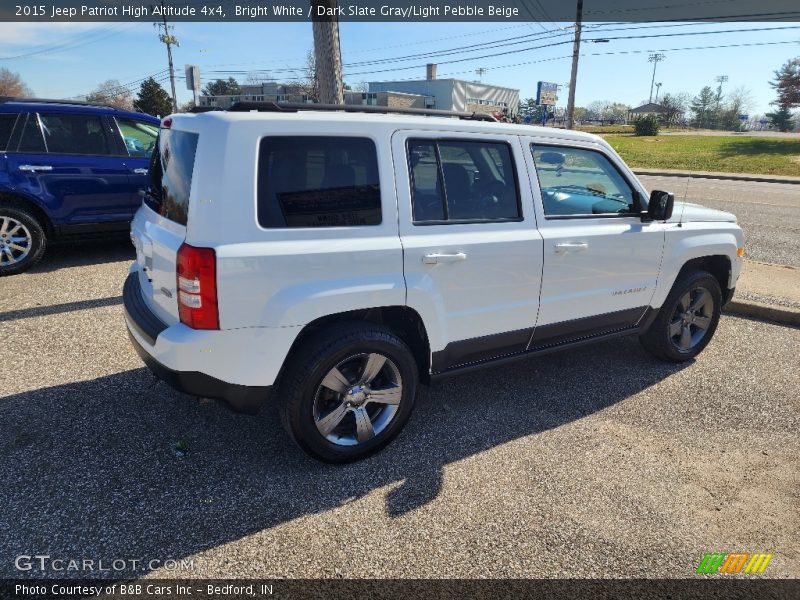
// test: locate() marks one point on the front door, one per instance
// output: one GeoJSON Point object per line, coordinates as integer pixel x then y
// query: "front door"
{"type": "Point", "coordinates": [139, 138]}
{"type": "Point", "coordinates": [472, 254]}
{"type": "Point", "coordinates": [601, 262]}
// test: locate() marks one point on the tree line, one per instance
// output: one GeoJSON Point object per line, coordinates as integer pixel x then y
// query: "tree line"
{"type": "Point", "coordinates": [708, 109]}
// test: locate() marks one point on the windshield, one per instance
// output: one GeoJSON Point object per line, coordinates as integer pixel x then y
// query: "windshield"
{"type": "Point", "coordinates": [171, 169]}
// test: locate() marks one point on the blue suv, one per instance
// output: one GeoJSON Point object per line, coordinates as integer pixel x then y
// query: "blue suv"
{"type": "Point", "coordinates": [68, 168]}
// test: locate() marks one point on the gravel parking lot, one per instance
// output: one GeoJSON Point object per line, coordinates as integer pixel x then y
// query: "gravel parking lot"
{"type": "Point", "coordinates": [596, 462]}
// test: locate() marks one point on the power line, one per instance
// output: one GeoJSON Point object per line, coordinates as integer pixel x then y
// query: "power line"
{"type": "Point", "coordinates": [483, 46]}
{"type": "Point", "coordinates": [70, 45]}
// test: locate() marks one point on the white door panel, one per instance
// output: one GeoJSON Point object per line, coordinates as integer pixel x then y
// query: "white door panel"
{"type": "Point", "coordinates": [474, 279]}
{"type": "Point", "coordinates": [594, 267]}
{"type": "Point", "coordinates": [614, 268]}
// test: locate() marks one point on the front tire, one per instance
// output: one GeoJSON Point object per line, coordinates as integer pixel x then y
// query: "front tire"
{"type": "Point", "coordinates": [348, 391]}
{"type": "Point", "coordinates": [22, 240]}
{"type": "Point", "coordinates": [687, 320]}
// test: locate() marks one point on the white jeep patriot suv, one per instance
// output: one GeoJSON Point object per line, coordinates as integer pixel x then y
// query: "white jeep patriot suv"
{"type": "Point", "coordinates": [335, 260]}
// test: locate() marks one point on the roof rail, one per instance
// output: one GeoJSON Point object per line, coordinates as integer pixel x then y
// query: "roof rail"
{"type": "Point", "coordinates": [356, 108]}
{"type": "Point", "coordinates": [4, 99]}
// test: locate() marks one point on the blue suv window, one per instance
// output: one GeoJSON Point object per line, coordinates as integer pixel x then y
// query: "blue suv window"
{"type": "Point", "coordinates": [75, 134]}
{"type": "Point", "coordinates": [32, 140]}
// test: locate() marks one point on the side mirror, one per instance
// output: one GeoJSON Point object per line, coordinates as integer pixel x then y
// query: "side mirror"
{"type": "Point", "coordinates": [660, 206]}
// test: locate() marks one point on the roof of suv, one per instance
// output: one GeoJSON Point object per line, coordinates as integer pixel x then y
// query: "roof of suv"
{"type": "Point", "coordinates": [406, 121]}
{"type": "Point", "coordinates": [13, 105]}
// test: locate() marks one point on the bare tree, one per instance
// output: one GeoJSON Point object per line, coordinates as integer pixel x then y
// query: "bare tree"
{"type": "Point", "coordinates": [113, 93]}
{"type": "Point", "coordinates": [257, 78]}
{"type": "Point", "coordinates": [675, 107]}
{"type": "Point", "coordinates": [11, 84]}
{"type": "Point", "coordinates": [310, 81]}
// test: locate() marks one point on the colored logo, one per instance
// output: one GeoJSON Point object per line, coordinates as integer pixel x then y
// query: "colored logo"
{"type": "Point", "coordinates": [742, 562]}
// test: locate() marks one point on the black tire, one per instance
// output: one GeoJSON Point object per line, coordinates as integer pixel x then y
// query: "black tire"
{"type": "Point", "coordinates": [303, 398]}
{"type": "Point", "coordinates": [665, 337]}
{"type": "Point", "coordinates": [36, 246]}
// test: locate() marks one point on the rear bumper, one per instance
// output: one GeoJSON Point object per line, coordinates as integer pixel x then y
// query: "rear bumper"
{"type": "Point", "coordinates": [144, 329]}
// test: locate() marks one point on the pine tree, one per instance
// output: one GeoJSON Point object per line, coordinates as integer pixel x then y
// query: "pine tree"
{"type": "Point", "coordinates": [153, 99]}
{"type": "Point", "coordinates": [787, 84]}
{"type": "Point", "coordinates": [704, 108]}
{"type": "Point", "coordinates": [781, 119]}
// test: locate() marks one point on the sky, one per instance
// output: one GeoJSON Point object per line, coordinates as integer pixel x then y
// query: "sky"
{"type": "Point", "coordinates": [61, 60]}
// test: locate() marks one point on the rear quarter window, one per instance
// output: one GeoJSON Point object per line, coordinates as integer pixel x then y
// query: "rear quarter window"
{"type": "Point", "coordinates": [171, 172]}
{"type": "Point", "coordinates": [319, 181]}
{"type": "Point", "coordinates": [7, 122]}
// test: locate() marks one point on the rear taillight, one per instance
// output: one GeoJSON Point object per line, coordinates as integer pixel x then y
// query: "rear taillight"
{"type": "Point", "coordinates": [197, 287]}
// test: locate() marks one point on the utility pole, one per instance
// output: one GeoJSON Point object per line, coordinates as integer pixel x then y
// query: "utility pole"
{"type": "Point", "coordinates": [480, 72]}
{"type": "Point", "coordinates": [658, 89]}
{"type": "Point", "coordinates": [327, 53]}
{"type": "Point", "coordinates": [720, 79]}
{"type": "Point", "coordinates": [573, 78]}
{"type": "Point", "coordinates": [654, 58]}
{"type": "Point", "coordinates": [169, 40]}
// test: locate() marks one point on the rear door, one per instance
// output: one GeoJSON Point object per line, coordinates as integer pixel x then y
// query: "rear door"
{"type": "Point", "coordinates": [472, 253]}
{"type": "Point", "coordinates": [67, 161]}
{"type": "Point", "coordinates": [601, 262]}
{"type": "Point", "coordinates": [159, 226]}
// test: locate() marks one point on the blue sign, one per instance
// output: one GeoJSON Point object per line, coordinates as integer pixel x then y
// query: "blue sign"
{"type": "Point", "coordinates": [744, 117]}
{"type": "Point", "coordinates": [546, 94]}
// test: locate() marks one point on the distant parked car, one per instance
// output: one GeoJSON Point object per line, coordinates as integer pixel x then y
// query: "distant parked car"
{"type": "Point", "coordinates": [67, 168]}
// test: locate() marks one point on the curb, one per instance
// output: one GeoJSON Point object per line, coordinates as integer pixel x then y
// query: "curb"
{"type": "Point", "coordinates": [726, 176]}
{"type": "Point", "coordinates": [758, 310]}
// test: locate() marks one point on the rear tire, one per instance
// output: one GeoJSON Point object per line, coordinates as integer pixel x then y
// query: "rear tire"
{"type": "Point", "coordinates": [687, 319]}
{"type": "Point", "coordinates": [22, 240]}
{"type": "Point", "coordinates": [348, 391]}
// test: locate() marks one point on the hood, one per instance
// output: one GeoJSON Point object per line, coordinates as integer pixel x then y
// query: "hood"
{"type": "Point", "coordinates": [686, 212]}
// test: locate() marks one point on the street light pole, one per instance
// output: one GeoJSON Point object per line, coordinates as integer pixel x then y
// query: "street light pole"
{"type": "Point", "coordinates": [654, 58]}
{"type": "Point", "coordinates": [576, 49]}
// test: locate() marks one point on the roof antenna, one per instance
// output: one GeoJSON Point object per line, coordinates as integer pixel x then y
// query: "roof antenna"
{"type": "Point", "coordinates": [683, 204]}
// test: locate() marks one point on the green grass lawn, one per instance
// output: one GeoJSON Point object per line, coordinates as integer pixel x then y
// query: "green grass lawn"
{"type": "Point", "coordinates": [727, 154]}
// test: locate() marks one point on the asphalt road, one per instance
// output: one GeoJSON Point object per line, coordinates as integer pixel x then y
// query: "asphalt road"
{"type": "Point", "coordinates": [768, 213]}
{"type": "Point", "coordinates": [596, 462]}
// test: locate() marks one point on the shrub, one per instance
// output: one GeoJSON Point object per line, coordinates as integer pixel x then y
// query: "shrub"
{"type": "Point", "coordinates": [647, 125]}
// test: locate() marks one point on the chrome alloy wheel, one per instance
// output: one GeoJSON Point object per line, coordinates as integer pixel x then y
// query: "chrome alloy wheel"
{"type": "Point", "coordinates": [15, 241]}
{"type": "Point", "coordinates": [358, 399]}
{"type": "Point", "coordinates": [691, 319]}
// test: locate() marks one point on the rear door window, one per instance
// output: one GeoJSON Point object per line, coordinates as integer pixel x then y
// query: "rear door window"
{"type": "Point", "coordinates": [457, 181]}
{"type": "Point", "coordinates": [75, 134]}
{"type": "Point", "coordinates": [318, 182]}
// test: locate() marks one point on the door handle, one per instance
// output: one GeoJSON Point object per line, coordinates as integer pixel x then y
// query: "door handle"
{"type": "Point", "coordinates": [140, 171]}
{"type": "Point", "coordinates": [569, 247]}
{"type": "Point", "coordinates": [432, 259]}
{"type": "Point", "coordinates": [35, 168]}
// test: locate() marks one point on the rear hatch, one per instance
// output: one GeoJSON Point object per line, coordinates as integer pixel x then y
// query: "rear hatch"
{"type": "Point", "coordinates": [159, 227]}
